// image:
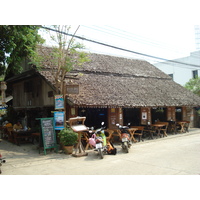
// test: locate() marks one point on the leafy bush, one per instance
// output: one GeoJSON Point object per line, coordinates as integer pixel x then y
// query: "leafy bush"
{"type": "Point", "coordinates": [68, 137]}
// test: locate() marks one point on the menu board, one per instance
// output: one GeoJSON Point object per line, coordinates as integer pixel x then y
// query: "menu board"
{"type": "Point", "coordinates": [48, 133]}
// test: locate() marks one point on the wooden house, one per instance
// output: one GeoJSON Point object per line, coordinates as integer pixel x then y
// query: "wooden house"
{"type": "Point", "coordinates": [111, 89]}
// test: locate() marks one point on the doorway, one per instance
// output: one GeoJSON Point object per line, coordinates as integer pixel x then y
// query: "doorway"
{"type": "Point", "coordinates": [159, 114]}
{"type": "Point", "coordinates": [132, 115]}
{"type": "Point", "coordinates": [178, 113]}
{"type": "Point", "coordinates": [94, 116]}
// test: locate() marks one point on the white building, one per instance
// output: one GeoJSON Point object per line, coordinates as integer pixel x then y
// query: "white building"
{"type": "Point", "coordinates": [182, 69]}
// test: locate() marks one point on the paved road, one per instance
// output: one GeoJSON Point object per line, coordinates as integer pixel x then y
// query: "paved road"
{"type": "Point", "coordinates": [174, 155]}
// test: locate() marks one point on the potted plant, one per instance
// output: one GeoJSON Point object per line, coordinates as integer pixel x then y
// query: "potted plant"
{"type": "Point", "coordinates": [68, 139]}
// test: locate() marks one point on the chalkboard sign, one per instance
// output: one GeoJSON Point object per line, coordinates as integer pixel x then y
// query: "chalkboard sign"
{"type": "Point", "coordinates": [48, 134]}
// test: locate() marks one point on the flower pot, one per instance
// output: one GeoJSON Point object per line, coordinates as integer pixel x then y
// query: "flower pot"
{"type": "Point", "coordinates": [68, 149]}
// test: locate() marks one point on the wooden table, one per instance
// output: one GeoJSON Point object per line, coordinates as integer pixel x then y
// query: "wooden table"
{"type": "Point", "coordinates": [22, 136]}
{"type": "Point", "coordinates": [164, 128]}
{"type": "Point", "coordinates": [149, 130]}
{"type": "Point", "coordinates": [109, 137]}
{"type": "Point", "coordinates": [85, 137]}
{"type": "Point", "coordinates": [139, 132]}
{"type": "Point", "coordinates": [182, 125]}
{"type": "Point", "coordinates": [115, 133]}
{"type": "Point", "coordinates": [158, 127]}
{"type": "Point", "coordinates": [172, 127]}
{"type": "Point", "coordinates": [132, 132]}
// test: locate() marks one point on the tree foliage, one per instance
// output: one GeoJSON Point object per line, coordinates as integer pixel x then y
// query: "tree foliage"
{"type": "Point", "coordinates": [65, 55]}
{"type": "Point", "coordinates": [16, 43]}
{"type": "Point", "coordinates": [194, 85]}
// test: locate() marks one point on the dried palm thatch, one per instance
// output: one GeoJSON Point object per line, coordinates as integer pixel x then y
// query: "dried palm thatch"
{"type": "Point", "coordinates": [108, 81]}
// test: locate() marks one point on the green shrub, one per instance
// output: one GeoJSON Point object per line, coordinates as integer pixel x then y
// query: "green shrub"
{"type": "Point", "coordinates": [68, 137]}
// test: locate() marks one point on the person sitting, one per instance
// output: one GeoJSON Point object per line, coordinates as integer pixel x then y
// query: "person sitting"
{"type": "Point", "coordinates": [7, 124]}
{"type": "Point", "coordinates": [17, 126]}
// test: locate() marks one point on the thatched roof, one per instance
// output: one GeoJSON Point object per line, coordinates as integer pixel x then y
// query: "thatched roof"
{"type": "Point", "coordinates": [109, 81]}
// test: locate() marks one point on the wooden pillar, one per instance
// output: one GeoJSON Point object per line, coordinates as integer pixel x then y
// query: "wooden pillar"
{"type": "Point", "coordinates": [171, 115]}
{"type": "Point", "coordinates": [192, 116]}
{"type": "Point", "coordinates": [71, 112]}
{"type": "Point", "coordinates": [115, 115]}
{"type": "Point", "coordinates": [145, 115]}
{"type": "Point", "coordinates": [184, 114]}
{"type": "Point", "coordinates": [121, 121]}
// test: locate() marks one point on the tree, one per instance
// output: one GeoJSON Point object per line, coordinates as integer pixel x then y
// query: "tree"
{"type": "Point", "coordinates": [64, 56]}
{"type": "Point", "coordinates": [16, 43]}
{"type": "Point", "coordinates": [194, 85]}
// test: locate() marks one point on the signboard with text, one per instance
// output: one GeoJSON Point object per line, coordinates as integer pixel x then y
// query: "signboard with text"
{"type": "Point", "coordinates": [72, 89]}
{"type": "Point", "coordinates": [59, 117]}
{"type": "Point", "coordinates": [48, 134]}
{"type": "Point", "coordinates": [59, 102]}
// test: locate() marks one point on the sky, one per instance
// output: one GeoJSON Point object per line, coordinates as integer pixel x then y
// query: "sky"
{"type": "Point", "coordinates": [165, 41]}
{"type": "Point", "coordinates": [168, 41]}
{"type": "Point", "coordinates": [159, 28]}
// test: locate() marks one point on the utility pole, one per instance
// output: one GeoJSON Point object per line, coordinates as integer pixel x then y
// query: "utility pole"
{"type": "Point", "coordinates": [197, 36]}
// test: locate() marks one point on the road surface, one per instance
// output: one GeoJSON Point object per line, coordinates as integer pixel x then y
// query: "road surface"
{"type": "Point", "coordinates": [173, 155]}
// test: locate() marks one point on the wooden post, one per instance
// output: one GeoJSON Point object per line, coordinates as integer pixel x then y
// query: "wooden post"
{"type": "Point", "coordinates": [78, 128]}
{"type": "Point", "coordinates": [115, 115]}
{"type": "Point", "coordinates": [145, 115]}
{"type": "Point", "coordinates": [3, 95]}
{"type": "Point", "coordinates": [171, 114]}
{"type": "Point", "coordinates": [65, 106]}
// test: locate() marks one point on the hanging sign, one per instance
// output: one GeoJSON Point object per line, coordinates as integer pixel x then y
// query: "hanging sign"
{"type": "Point", "coordinates": [72, 89]}
{"type": "Point", "coordinates": [59, 102]}
{"type": "Point", "coordinates": [59, 120]}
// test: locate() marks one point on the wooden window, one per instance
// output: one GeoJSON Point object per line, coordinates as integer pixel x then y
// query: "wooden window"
{"type": "Point", "coordinates": [50, 94]}
{"type": "Point", "coordinates": [194, 73]}
{"type": "Point", "coordinates": [172, 76]}
{"type": "Point", "coordinates": [28, 86]}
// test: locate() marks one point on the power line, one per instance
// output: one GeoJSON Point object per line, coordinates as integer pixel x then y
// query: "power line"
{"type": "Point", "coordinates": [119, 48]}
{"type": "Point", "coordinates": [128, 36]}
{"type": "Point", "coordinates": [136, 38]}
